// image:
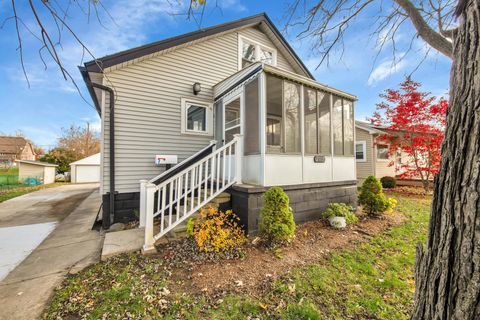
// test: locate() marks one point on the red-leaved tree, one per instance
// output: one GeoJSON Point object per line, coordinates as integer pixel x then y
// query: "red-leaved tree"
{"type": "Point", "coordinates": [415, 122]}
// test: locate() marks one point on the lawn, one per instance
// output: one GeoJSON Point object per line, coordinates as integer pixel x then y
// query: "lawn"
{"type": "Point", "coordinates": [370, 279]}
{"type": "Point", "coordinates": [12, 191]}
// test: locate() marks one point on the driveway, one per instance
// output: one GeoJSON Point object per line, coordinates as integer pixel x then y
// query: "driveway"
{"type": "Point", "coordinates": [43, 236]}
{"type": "Point", "coordinates": [47, 205]}
{"type": "Point", "coordinates": [26, 220]}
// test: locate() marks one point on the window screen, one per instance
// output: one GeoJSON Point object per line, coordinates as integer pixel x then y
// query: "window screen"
{"type": "Point", "coordinates": [337, 125]}
{"type": "Point", "coordinates": [310, 110]}
{"type": "Point", "coordinates": [252, 136]}
{"type": "Point", "coordinates": [324, 140]}
{"type": "Point", "coordinates": [292, 116]}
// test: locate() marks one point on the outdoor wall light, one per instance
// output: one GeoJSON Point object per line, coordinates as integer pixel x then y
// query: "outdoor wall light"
{"type": "Point", "coordinates": [197, 87]}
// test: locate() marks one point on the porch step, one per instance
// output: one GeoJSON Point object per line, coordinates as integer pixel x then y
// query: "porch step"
{"type": "Point", "coordinates": [180, 229]}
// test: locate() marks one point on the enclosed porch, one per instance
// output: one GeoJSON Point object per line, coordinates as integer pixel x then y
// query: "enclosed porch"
{"type": "Point", "coordinates": [295, 130]}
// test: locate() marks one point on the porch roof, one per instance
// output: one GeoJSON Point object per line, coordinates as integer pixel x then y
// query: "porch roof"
{"type": "Point", "coordinates": [241, 76]}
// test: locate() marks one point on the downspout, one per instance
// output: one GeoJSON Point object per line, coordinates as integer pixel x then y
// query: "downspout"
{"type": "Point", "coordinates": [107, 218]}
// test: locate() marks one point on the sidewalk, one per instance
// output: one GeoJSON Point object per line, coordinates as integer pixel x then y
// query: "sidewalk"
{"type": "Point", "coordinates": [25, 292]}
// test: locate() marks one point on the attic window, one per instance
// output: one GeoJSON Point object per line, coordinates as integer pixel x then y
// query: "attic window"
{"type": "Point", "coordinates": [251, 51]}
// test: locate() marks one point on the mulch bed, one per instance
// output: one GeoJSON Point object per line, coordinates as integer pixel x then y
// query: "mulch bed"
{"type": "Point", "coordinates": [255, 267]}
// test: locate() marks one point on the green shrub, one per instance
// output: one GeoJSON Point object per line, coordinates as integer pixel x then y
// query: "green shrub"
{"type": "Point", "coordinates": [373, 199]}
{"type": "Point", "coordinates": [276, 216]}
{"type": "Point", "coordinates": [388, 182]}
{"type": "Point", "coordinates": [340, 210]}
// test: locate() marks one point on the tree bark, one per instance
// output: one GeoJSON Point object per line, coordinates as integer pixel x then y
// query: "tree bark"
{"type": "Point", "coordinates": [447, 272]}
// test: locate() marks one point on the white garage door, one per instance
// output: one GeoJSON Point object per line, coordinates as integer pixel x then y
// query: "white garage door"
{"type": "Point", "coordinates": [87, 173]}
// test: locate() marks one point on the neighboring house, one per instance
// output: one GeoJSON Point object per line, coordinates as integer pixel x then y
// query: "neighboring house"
{"type": "Point", "coordinates": [86, 169]}
{"type": "Point", "coordinates": [36, 172]}
{"type": "Point", "coordinates": [240, 112]}
{"type": "Point", "coordinates": [372, 153]}
{"type": "Point", "coordinates": [373, 157]}
{"type": "Point", "coordinates": [15, 148]}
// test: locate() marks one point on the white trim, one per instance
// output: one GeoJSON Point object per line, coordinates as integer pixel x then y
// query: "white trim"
{"type": "Point", "coordinates": [258, 47]}
{"type": "Point", "coordinates": [364, 150]}
{"type": "Point", "coordinates": [185, 104]}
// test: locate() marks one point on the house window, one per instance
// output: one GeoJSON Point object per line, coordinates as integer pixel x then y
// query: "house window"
{"type": "Point", "coordinates": [361, 151]}
{"type": "Point", "coordinates": [248, 54]}
{"type": "Point", "coordinates": [382, 152]}
{"type": "Point", "coordinates": [197, 117]}
{"type": "Point", "coordinates": [251, 51]}
{"type": "Point", "coordinates": [342, 123]}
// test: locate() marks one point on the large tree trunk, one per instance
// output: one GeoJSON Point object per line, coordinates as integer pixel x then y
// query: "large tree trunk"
{"type": "Point", "coordinates": [447, 272]}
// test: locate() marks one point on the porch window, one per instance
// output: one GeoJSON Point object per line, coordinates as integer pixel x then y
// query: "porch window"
{"type": "Point", "coordinates": [310, 106]}
{"type": "Point", "coordinates": [324, 123]}
{"type": "Point", "coordinates": [342, 123]}
{"type": "Point", "coordinates": [337, 124]}
{"type": "Point", "coordinates": [197, 117]}
{"type": "Point", "coordinates": [251, 51]}
{"type": "Point", "coordinates": [292, 117]}
{"type": "Point", "coordinates": [317, 122]}
{"type": "Point", "coordinates": [274, 125]}
{"type": "Point", "coordinates": [252, 130]}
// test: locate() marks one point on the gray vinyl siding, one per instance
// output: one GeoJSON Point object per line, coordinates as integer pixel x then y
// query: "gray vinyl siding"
{"type": "Point", "coordinates": [365, 169]}
{"type": "Point", "coordinates": [148, 107]}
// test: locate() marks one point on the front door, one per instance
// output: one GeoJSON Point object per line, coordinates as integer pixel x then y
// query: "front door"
{"type": "Point", "coordinates": [232, 117]}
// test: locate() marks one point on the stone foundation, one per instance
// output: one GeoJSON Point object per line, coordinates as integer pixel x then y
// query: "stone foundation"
{"type": "Point", "coordinates": [308, 201]}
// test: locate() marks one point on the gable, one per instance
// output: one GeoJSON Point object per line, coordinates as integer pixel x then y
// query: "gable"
{"type": "Point", "coordinates": [260, 20]}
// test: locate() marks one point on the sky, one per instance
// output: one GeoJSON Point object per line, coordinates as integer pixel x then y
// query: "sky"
{"type": "Point", "coordinates": [41, 109]}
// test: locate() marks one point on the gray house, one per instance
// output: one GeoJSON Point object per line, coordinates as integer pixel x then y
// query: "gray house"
{"type": "Point", "coordinates": [230, 108]}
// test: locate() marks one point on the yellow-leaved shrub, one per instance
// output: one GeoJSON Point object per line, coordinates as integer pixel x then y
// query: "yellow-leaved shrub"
{"type": "Point", "coordinates": [216, 231]}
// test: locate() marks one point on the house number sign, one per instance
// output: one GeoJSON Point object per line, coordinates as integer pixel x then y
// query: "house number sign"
{"type": "Point", "coordinates": [319, 159]}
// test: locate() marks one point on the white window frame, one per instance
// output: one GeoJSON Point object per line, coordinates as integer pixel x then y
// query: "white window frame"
{"type": "Point", "coordinates": [258, 47]}
{"type": "Point", "coordinates": [364, 150]}
{"type": "Point", "coordinates": [185, 104]}
{"type": "Point", "coordinates": [376, 152]}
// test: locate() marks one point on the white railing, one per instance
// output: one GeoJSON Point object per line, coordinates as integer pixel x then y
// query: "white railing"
{"type": "Point", "coordinates": [180, 196]}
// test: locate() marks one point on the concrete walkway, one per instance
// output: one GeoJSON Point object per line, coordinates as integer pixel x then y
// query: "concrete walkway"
{"type": "Point", "coordinates": [25, 292]}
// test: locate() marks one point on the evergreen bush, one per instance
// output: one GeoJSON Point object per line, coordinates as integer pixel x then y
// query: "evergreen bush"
{"type": "Point", "coordinates": [388, 182]}
{"type": "Point", "coordinates": [276, 216]}
{"type": "Point", "coordinates": [373, 199]}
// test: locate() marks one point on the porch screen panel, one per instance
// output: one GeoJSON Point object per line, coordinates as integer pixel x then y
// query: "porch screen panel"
{"type": "Point", "coordinates": [252, 130]}
{"type": "Point", "coordinates": [348, 128]}
{"type": "Point", "coordinates": [274, 125]}
{"type": "Point", "coordinates": [219, 122]}
{"type": "Point", "coordinates": [310, 106]}
{"type": "Point", "coordinates": [292, 117]}
{"type": "Point", "coordinates": [324, 140]}
{"type": "Point", "coordinates": [337, 124]}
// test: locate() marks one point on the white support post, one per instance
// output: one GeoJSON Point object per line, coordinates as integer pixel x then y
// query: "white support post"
{"type": "Point", "coordinates": [142, 202]}
{"type": "Point", "coordinates": [149, 245]}
{"type": "Point", "coordinates": [238, 157]}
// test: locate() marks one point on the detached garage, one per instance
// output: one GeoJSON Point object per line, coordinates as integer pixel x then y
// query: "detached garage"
{"type": "Point", "coordinates": [86, 170]}
{"type": "Point", "coordinates": [36, 172]}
